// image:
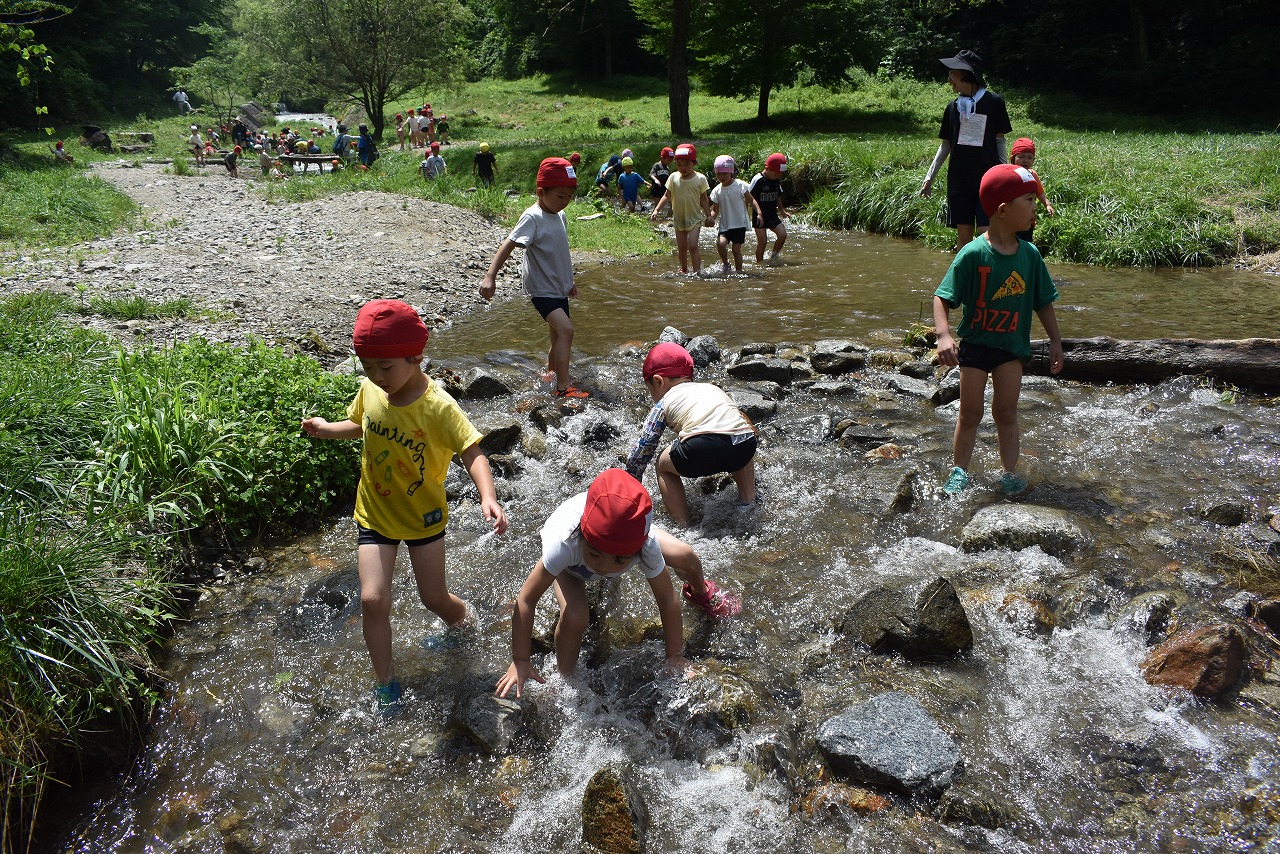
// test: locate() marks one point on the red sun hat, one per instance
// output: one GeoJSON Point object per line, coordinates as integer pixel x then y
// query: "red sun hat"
{"type": "Point", "coordinates": [1022, 145]}
{"type": "Point", "coordinates": [388, 329]}
{"type": "Point", "coordinates": [556, 172]}
{"type": "Point", "coordinates": [667, 151]}
{"type": "Point", "coordinates": [776, 162]}
{"type": "Point", "coordinates": [617, 514]}
{"type": "Point", "coordinates": [575, 158]}
{"type": "Point", "coordinates": [1002, 184]}
{"type": "Point", "coordinates": [668, 359]}
{"type": "Point", "coordinates": [686, 151]}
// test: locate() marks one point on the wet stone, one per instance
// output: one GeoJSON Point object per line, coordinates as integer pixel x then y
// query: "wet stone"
{"type": "Point", "coordinates": [673, 336]}
{"type": "Point", "coordinates": [970, 802]}
{"type": "Point", "coordinates": [948, 389]}
{"type": "Point", "coordinates": [754, 404]}
{"type": "Point", "coordinates": [890, 742]}
{"type": "Point", "coordinates": [831, 356]}
{"type": "Point", "coordinates": [1205, 661]}
{"type": "Point", "coordinates": [500, 438]}
{"type": "Point", "coordinates": [921, 621]}
{"type": "Point", "coordinates": [1229, 513]}
{"type": "Point", "coordinates": [614, 816]}
{"type": "Point", "coordinates": [912, 387]}
{"type": "Point", "coordinates": [479, 384]}
{"type": "Point", "coordinates": [1020, 526]}
{"type": "Point", "coordinates": [763, 368]}
{"type": "Point", "coordinates": [324, 606]}
{"type": "Point", "coordinates": [490, 721]}
{"type": "Point", "coordinates": [886, 489]}
{"type": "Point", "coordinates": [705, 349]}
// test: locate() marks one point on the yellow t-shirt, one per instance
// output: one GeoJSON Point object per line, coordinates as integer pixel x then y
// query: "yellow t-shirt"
{"type": "Point", "coordinates": [406, 455]}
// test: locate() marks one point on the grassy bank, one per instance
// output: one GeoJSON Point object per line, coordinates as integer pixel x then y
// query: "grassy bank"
{"type": "Point", "coordinates": [114, 462]}
{"type": "Point", "coordinates": [1129, 189]}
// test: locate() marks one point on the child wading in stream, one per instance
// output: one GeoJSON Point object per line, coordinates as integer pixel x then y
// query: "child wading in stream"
{"type": "Point", "coordinates": [411, 429]}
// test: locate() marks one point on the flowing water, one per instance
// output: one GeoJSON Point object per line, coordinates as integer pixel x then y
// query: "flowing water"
{"type": "Point", "coordinates": [267, 740]}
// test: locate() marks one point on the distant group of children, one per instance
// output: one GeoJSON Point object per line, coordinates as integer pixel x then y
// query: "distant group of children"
{"type": "Point", "coordinates": [411, 427]}
{"type": "Point", "coordinates": [421, 128]}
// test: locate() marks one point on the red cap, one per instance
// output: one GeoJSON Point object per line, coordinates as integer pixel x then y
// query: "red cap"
{"type": "Point", "coordinates": [575, 158]}
{"type": "Point", "coordinates": [435, 146]}
{"type": "Point", "coordinates": [686, 151]}
{"type": "Point", "coordinates": [616, 517]}
{"type": "Point", "coordinates": [556, 172]}
{"type": "Point", "coordinates": [237, 149]}
{"type": "Point", "coordinates": [1002, 184]}
{"type": "Point", "coordinates": [388, 329]}
{"type": "Point", "coordinates": [668, 151]}
{"type": "Point", "coordinates": [667, 360]}
{"type": "Point", "coordinates": [1022, 145]}
{"type": "Point", "coordinates": [776, 162]}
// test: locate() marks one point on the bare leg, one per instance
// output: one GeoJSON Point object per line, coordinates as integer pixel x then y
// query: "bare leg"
{"type": "Point", "coordinates": [671, 485]}
{"type": "Point", "coordinates": [375, 564]}
{"type": "Point", "coordinates": [428, 570]}
{"type": "Point", "coordinates": [781, 232]}
{"type": "Point", "coordinates": [695, 253]}
{"type": "Point", "coordinates": [745, 479]}
{"type": "Point", "coordinates": [964, 233]}
{"type": "Point", "coordinates": [762, 237]}
{"type": "Point", "coordinates": [737, 257]}
{"type": "Point", "coordinates": [571, 593]}
{"type": "Point", "coordinates": [1006, 385]}
{"type": "Point", "coordinates": [561, 345]}
{"type": "Point", "coordinates": [973, 386]}
{"type": "Point", "coordinates": [722, 246]}
{"type": "Point", "coordinates": [683, 560]}
{"type": "Point", "coordinates": [682, 248]}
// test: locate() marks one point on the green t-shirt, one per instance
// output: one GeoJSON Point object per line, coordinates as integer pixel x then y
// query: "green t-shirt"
{"type": "Point", "coordinates": [999, 294]}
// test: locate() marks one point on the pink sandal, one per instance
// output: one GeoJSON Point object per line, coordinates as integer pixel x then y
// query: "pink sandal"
{"type": "Point", "coordinates": [714, 602]}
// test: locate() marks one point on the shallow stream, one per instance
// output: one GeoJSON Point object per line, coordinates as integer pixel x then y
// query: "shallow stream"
{"type": "Point", "coordinates": [268, 741]}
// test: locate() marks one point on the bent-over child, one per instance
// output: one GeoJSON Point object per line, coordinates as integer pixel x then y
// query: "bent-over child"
{"type": "Point", "coordinates": [690, 205]}
{"type": "Point", "coordinates": [411, 429]}
{"type": "Point", "coordinates": [714, 436]}
{"type": "Point", "coordinates": [546, 270]}
{"type": "Point", "coordinates": [602, 533]}
{"type": "Point", "coordinates": [733, 206]}
{"type": "Point", "coordinates": [999, 280]}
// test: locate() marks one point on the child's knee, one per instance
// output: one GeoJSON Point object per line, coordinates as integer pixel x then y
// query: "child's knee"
{"type": "Point", "coordinates": [573, 622]}
{"type": "Point", "coordinates": [375, 604]}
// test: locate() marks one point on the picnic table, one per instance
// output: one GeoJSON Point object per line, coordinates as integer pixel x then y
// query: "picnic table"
{"type": "Point", "coordinates": [320, 160]}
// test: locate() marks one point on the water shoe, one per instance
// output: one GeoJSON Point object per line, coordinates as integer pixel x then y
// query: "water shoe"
{"type": "Point", "coordinates": [1011, 484]}
{"type": "Point", "coordinates": [386, 696]}
{"type": "Point", "coordinates": [957, 483]}
{"type": "Point", "coordinates": [714, 602]}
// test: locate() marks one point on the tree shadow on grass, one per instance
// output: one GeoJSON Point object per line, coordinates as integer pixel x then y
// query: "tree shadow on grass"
{"type": "Point", "coordinates": [824, 120]}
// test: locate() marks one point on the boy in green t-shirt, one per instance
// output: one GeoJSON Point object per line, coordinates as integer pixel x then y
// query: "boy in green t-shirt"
{"type": "Point", "coordinates": [411, 429]}
{"type": "Point", "coordinates": [1000, 281]}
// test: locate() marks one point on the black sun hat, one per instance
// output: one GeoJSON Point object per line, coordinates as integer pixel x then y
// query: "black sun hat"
{"type": "Point", "coordinates": [965, 60]}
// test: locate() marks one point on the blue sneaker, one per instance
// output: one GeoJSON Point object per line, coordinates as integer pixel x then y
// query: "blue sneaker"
{"type": "Point", "coordinates": [387, 697]}
{"type": "Point", "coordinates": [957, 483]}
{"type": "Point", "coordinates": [455, 637]}
{"type": "Point", "coordinates": [1011, 484]}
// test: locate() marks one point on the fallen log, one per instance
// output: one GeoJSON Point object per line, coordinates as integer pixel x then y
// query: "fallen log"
{"type": "Point", "coordinates": [1249, 363]}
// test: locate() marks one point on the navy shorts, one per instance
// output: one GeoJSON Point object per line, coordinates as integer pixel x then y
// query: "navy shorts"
{"type": "Point", "coordinates": [546, 305]}
{"type": "Point", "coordinates": [712, 453]}
{"type": "Point", "coordinates": [982, 357]}
{"type": "Point", "coordinates": [370, 537]}
{"type": "Point", "coordinates": [770, 220]}
{"type": "Point", "coordinates": [735, 235]}
{"type": "Point", "coordinates": [964, 208]}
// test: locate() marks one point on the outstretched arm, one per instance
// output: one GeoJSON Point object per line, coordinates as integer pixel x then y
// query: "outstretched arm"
{"type": "Point", "coordinates": [319, 428]}
{"type": "Point", "coordinates": [477, 465]}
{"type": "Point", "coordinates": [521, 669]}
{"type": "Point", "coordinates": [672, 621]}
{"type": "Point", "coordinates": [489, 284]}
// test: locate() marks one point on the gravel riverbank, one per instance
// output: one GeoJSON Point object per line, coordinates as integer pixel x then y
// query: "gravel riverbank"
{"type": "Point", "coordinates": [292, 274]}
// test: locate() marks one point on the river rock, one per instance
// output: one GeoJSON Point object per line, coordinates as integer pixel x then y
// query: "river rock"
{"type": "Point", "coordinates": [753, 404]}
{"type": "Point", "coordinates": [325, 605]}
{"type": "Point", "coordinates": [912, 387]}
{"type": "Point", "coordinates": [920, 369]}
{"type": "Point", "coordinates": [1152, 613]}
{"type": "Point", "coordinates": [1228, 512]}
{"type": "Point", "coordinates": [490, 721]}
{"type": "Point", "coordinates": [501, 437]}
{"type": "Point", "coordinates": [831, 356]}
{"type": "Point", "coordinates": [921, 621]}
{"type": "Point", "coordinates": [1267, 611]}
{"type": "Point", "coordinates": [948, 389]}
{"type": "Point", "coordinates": [1204, 661]}
{"type": "Point", "coordinates": [479, 384]}
{"type": "Point", "coordinates": [970, 802]}
{"type": "Point", "coordinates": [886, 489]}
{"type": "Point", "coordinates": [614, 817]}
{"type": "Point", "coordinates": [704, 349]}
{"type": "Point", "coordinates": [769, 368]}
{"type": "Point", "coordinates": [545, 415]}
{"type": "Point", "coordinates": [757, 348]}
{"type": "Point", "coordinates": [671, 335]}
{"type": "Point", "coordinates": [890, 742]}
{"type": "Point", "coordinates": [1020, 526]}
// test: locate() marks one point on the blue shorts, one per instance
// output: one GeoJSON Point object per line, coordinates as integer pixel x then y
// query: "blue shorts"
{"type": "Point", "coordinates": [982, 357]}
{"type": "Point", "coordinates": [546, 305]}
{"type": "Point", "coordinates": [712, 453]}
{"type": "Point", "coordinates": [370, 537]}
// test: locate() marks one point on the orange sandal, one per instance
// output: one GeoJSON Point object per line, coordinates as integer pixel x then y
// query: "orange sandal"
{"type": "Point", "coordinates": [573, 392]}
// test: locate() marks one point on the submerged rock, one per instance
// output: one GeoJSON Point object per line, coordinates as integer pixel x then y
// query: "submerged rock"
{"type": "Point", "coordinates": [500, 438]}
{"type": "Point", "coordinates": [970, 803]}
{"type": "Point", "coordinates": [886, 489]}
{"type": "Point", "coordinates": [490, 721]}
{"type": "Point", "coordinates": [324, 606]}
{"type": "Point", "coordinates": [890, 742]}
{"type": "Point", "coordinates": [615, 819]}
{"type": "Point", "coordinates": [1204, 661]}
{"type": "Point", "coordinates": [1020, 526]}
{"type": "Point", "coordinates": [924, 621]}
{"type": "Point", "coordinates": [479, 384]}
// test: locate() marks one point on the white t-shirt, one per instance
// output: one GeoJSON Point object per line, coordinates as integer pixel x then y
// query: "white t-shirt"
{"type": "Point", "coordinates": [692, 409]}
{"type": "Point", "coordinates": [562, 544]}
{"type": "Point", "coordinates": [546, 270]}
{"type": "Point", "coordinates": [732, 204]}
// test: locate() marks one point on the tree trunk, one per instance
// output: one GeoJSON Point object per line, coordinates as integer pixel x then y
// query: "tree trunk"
{"type": "Point", "coordinates": [1141, 44]}
{"type": "Point", "coordinates": [678, 69]}
{"type": "Point", "coordinates": [1251, 363]}
{"type": "Point", "coordinates": [762, 106]}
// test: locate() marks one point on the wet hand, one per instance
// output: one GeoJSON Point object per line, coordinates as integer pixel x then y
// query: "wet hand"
{"type": "Point", "coordinates": [488, 287]}
{"type": "Point", "coordinates": [494, 513]}
{"type": "Point", "coordinates": [517, 674]}
{"type": "Point", "coordinates": [1056, 357]}
{"type": "Point", "coordinates": [948, 352]}
{"type": "Point", "coordinates": [678, 667]}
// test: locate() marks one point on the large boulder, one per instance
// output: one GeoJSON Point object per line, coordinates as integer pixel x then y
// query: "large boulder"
{"type": "Point", "coordinates": [769, 368]}
{"type": "Point", "coordinates": [890, 742]}
{"type": "Point", "coordinates": [1204, 661]}
{"type": "Point", "coordinates": [1019, 526]}
{"type": "Point", "coordinates": [614, 817]}
{"type": "Point", "coordinates": [502, 437]}
{"type": "Point", "coordinates": [704, 349]}
{"type": "Point", "coordinates": [921, 621]}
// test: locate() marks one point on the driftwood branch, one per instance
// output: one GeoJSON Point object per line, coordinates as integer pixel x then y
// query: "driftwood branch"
{"type": "Point", "coordinates": [1250, 363]}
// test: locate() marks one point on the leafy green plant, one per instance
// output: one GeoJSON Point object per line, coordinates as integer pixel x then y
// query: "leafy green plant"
{"type": "Point", "coordinates": [140, 308]}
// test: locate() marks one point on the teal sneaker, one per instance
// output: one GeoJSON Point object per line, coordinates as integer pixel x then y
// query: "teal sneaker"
{"type": "Point", "coordinates": [386, 696]}
{"type": "Point", "coordinates": [455, 637]}
{"type": "Point", "coordinates": [957, 483]}
{"type": "Point", "coordinates": [1011, 484]}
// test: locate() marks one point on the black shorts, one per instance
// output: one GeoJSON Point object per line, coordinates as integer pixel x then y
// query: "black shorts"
{"type": "Point", "coordinates": [770, 220]}
{"type": "Point", "coordinates": [982, 357]}
{"type": "Point", "coordinates": [546, 305]}
{"type": "Point", "coordinates": [964, 208]}
{"type": "Point", "coordinates": [370, 537]}
{"type": "Point", "coordinates": [712, 453]}
{"type": "Point", "coordinates": [735, 235]}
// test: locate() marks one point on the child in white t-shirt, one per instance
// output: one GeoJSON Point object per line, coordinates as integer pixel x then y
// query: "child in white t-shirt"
{"type": "Point", "coordinates": [732, 204]}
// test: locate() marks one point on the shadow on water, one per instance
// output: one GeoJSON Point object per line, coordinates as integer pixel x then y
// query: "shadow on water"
{"type": "Point", "coordinates": [268, 739]}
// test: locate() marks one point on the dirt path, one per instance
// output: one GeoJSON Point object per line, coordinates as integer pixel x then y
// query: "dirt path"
{"type": "Point", "coordinates": [291, 274]}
